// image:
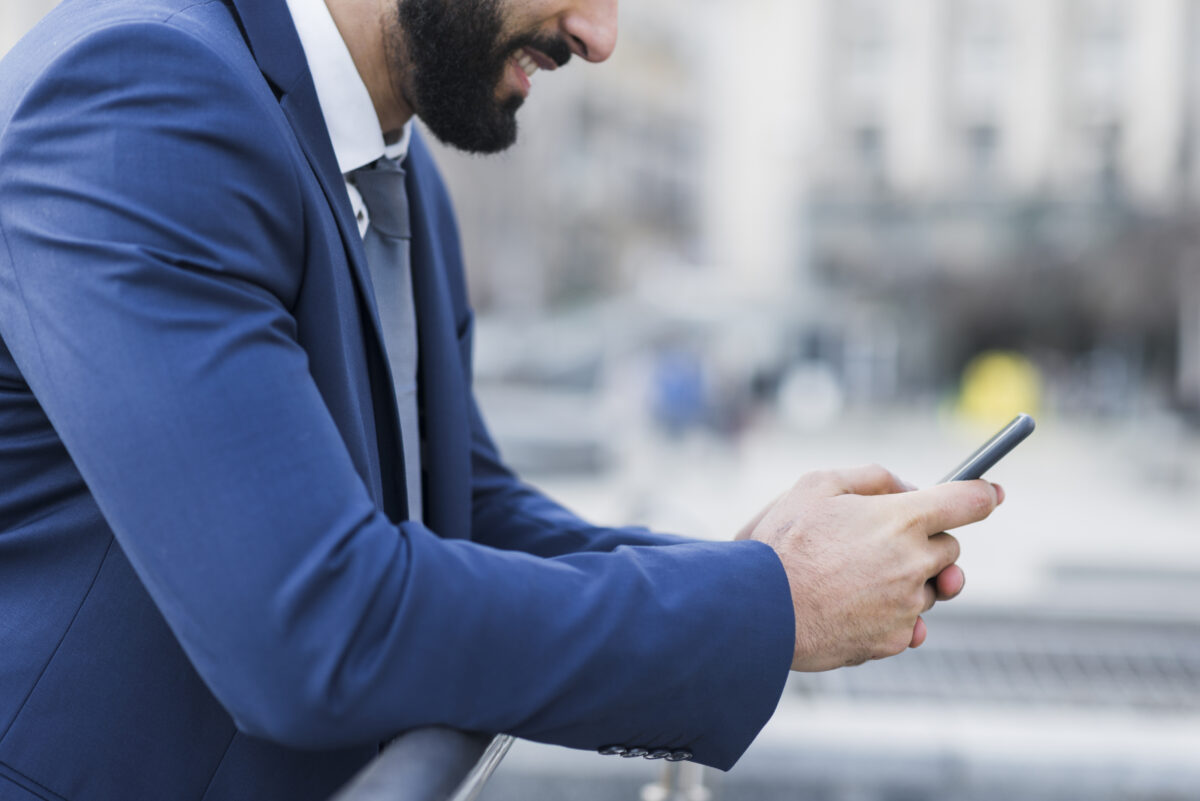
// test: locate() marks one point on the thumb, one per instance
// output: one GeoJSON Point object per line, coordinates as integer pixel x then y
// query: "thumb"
{"type": "Point", "coordinates": [949, 506]}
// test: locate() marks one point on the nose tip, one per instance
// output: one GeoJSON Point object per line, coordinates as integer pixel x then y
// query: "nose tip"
{"type": "Point", "coordinates": [593, 30]}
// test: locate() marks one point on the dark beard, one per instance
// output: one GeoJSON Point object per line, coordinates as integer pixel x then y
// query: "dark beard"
{"type": "Point", "coordinates": [455, 61]}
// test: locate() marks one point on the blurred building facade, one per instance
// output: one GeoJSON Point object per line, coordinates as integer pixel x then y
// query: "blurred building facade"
{"type": "Point", "coordinates": [956, 175]}
{"type": "Point", "coordinates": [1027, 165]}
{"type": "Point", "coordinates": [898, 185]}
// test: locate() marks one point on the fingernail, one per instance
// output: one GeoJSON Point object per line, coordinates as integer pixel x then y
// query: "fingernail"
{"type": "Point", "coordinates": [999, 494]}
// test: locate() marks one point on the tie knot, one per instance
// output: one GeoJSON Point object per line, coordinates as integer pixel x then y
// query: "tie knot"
{"type": "Point", "coordinates": [381, 184]}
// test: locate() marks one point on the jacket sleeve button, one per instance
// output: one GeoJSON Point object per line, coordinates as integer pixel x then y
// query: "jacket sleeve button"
{"type": "Point", "coordinates": [635, 752]}
{"type": "Point", "coordinates": [613, 750]}
{"type": "Point", "coordinates": [679, 756]}
{"type": "Point", "coordinates": [658, 753]}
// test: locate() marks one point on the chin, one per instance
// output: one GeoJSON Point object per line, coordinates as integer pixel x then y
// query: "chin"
{"type": "Point", "coordinates": [483, 134]}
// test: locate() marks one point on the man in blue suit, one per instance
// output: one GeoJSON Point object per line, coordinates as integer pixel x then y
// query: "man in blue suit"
{"type": "Point", "coordinates": [230, 562]}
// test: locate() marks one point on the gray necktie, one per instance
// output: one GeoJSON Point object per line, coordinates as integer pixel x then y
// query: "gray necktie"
{"type": "Point", "coordinates": [387, 240]}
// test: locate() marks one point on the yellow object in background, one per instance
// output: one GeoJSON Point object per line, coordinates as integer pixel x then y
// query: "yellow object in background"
{"type": "Point", "coordinates": [997, 385]}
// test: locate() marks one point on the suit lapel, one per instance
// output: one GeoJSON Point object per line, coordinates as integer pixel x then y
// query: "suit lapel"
{"type": "Point", "coordinates": [276, 47]}
{"type": "Point", "coordinates": [441, 379]}
{"type": "Point", "coordinates": [304, 113]}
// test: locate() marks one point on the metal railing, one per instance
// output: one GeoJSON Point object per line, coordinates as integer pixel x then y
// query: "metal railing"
{"type": "Point", "coordinates": [434, 764]}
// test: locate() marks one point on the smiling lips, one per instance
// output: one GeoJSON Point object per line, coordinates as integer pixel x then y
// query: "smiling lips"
{"type": "Point", "coordinates": [529, 61]}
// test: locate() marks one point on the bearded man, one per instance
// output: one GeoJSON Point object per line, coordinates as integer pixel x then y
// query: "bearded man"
{"type": "Point", "coordinates": [251, 521]}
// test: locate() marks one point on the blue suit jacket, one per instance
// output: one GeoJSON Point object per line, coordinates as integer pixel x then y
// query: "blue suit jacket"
{"type": "Point", "coordinates": [208, 585]}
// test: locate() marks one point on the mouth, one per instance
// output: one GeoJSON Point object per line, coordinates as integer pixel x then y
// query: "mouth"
{"type": "Point", "coordinates": [526, 62]}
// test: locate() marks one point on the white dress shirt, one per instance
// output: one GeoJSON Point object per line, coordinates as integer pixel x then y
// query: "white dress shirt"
{"type": "Point", "coordinates": [345, 103]}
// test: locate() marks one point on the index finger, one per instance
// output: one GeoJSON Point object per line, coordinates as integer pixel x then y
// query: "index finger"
{"type": "Point", "coordinates": [866, 480]}
{"type": "Point", "coordinates": [949, 506]}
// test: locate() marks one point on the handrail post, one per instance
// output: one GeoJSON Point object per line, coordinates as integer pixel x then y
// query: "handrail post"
{"type": "Point", "coordinates": [680, 781]}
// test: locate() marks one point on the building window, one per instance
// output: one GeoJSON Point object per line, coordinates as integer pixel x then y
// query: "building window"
{"type": "Point", "coordinates": [979, 54]}
{"type": "Point", "coordinates": [865, 39]}
{"type": "Point", "coordinates": [1100, 55]}
{"type": "Point", "coordinates": [869, 148]}
{"type": "Point", "coordinates": [982, 145]}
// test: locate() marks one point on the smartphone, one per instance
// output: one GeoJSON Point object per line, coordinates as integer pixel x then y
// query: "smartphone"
{"type": "Point", "coordinates": [993, 450]}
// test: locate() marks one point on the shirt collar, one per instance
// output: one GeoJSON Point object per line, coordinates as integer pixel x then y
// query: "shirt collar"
{"type": "Point", "coordinates": [345, 103]}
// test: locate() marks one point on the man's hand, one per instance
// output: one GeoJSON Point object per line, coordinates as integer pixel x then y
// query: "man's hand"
{"type": "Point", "coordinates": [865, 557]}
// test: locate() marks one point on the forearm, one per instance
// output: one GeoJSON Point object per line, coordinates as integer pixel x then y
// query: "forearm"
{"type": "Point", "coordinates": [557, 650]}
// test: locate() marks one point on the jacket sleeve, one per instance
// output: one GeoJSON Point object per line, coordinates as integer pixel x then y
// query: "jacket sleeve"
{"type": "Point", "coordinates": [148, 259]}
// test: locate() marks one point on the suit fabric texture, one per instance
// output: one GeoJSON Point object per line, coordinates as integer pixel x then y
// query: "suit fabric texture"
{"type": "Point", "coordinates": [209, 585]}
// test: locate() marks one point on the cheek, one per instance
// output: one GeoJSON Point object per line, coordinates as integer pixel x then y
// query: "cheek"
{"type": "Point", "coordinates": [523, 17]}
{"type": "Point", "coordinates": [517, 10]}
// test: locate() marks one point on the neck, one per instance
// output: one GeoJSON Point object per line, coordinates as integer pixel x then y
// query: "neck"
{"type": "Point", "coordinates": [365, 26]}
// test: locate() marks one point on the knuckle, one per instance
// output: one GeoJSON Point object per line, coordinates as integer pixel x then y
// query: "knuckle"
{"type": "Point", "coordinates": [922, 519]}
{"type": "Point", "coordinates": [878, 475]}
{"type": "Point", "coordinates": [952, 548]}
{"type": "Point", "coordinates": [813, 480]}
{"type": "Point", "coordinates": [898, 642]}
{"type": "Point", "coordinates": [915, 521]}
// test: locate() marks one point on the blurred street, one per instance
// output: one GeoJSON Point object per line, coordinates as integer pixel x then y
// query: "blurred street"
{"type": "Point", "coordinates": [1069, 668]}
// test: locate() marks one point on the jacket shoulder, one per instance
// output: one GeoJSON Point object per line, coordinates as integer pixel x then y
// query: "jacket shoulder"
{"type": "Point", "coordinates": [144, 125]}
{"type": "Point", "coordinates": [76, 24]}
